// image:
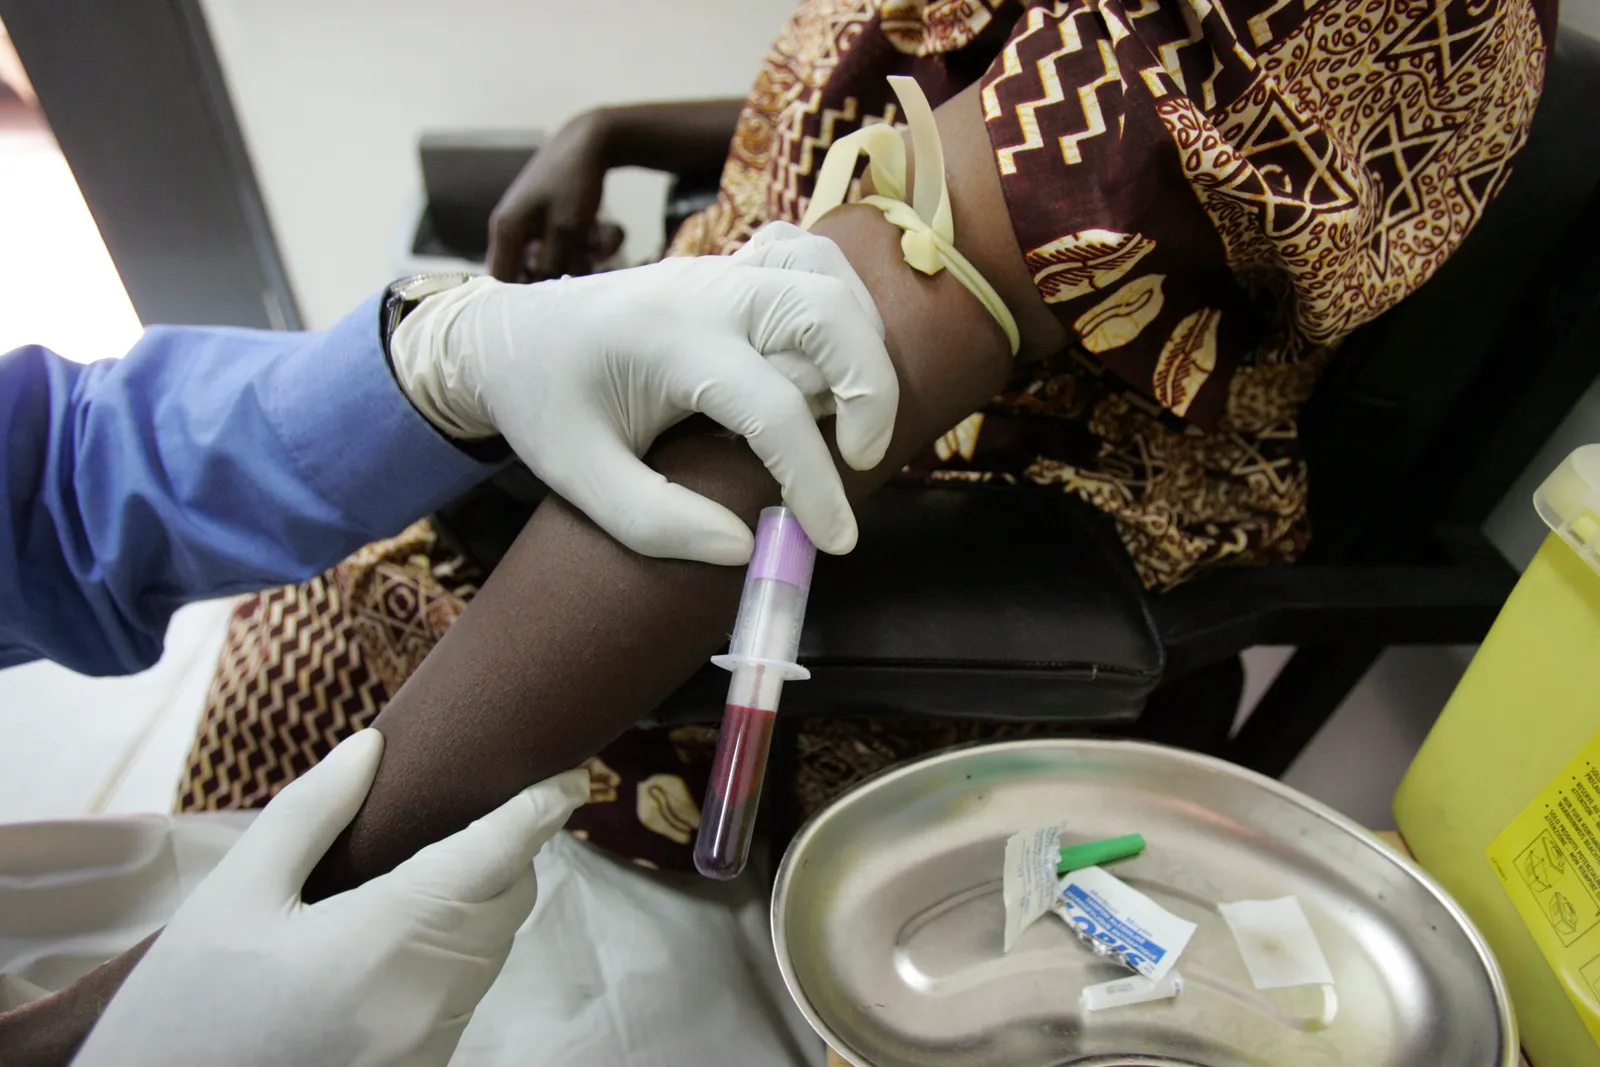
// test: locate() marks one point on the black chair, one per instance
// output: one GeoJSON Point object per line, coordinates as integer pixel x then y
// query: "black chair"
{"type": "Point", "coordinates": [1020, 604]}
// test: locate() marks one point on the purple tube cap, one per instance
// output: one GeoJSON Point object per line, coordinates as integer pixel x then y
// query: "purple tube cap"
{"type": "Point", "coordinates": [783, 551]}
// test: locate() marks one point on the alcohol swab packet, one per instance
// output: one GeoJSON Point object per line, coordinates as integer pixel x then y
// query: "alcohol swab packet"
{"type": "Point", "coordinates": [1117, 920]}
{"type": "Point", "coordinates": [1278, 945]}
{"type": "Point", "coordinates": [1028, 885]}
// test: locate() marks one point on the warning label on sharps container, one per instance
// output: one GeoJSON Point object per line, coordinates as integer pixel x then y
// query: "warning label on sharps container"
{"type": "Point", "coordinates": [1548, 859]}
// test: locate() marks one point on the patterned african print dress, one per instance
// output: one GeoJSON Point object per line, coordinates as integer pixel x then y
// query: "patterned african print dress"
{"type": "Point", "coordinates": [1209, 194]}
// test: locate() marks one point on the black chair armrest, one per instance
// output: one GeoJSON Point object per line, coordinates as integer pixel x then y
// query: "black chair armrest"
{"type": "Point", "coordinates": [1444, 603]}
{"type": "Point", "coordinates": [1013, 603]}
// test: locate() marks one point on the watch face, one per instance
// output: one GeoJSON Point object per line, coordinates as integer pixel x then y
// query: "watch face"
{"type": "Point", "coordinates": [425, 285]}
{"type": "Point", "coordinates": [407, 293]}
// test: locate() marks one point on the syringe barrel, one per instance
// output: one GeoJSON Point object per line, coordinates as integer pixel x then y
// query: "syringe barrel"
{"type": "Point", "coordinates": [761, 655]}
{"type": "Point", "coordinates": [772, 610]}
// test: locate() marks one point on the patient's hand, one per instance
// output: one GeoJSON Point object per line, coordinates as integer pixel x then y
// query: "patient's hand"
{"type": "Point", "coordinates": [544, 225]}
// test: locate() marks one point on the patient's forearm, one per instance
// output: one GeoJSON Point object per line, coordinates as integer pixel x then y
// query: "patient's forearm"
{"type": "Point", "coordinates": [47, 1032]}
{"type": "Point", "coordinates": [689, 138]}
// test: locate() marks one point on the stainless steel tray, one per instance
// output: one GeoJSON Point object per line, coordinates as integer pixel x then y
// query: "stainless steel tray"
{"type": "Point", "coordinates": [887, 920]}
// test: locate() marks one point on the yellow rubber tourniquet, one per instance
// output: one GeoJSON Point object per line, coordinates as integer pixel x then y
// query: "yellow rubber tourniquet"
{"type": "Point", "coordinates": [929, 240]}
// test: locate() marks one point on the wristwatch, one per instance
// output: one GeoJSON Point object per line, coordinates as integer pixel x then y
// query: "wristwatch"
{"type": "Point", "coordinates": [404, 295]}
{"type": "Point", "coordinates": [398, 301]}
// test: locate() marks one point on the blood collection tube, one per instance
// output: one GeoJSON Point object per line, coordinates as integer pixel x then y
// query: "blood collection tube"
{"type": "Point", "coordinates": [761, 656]}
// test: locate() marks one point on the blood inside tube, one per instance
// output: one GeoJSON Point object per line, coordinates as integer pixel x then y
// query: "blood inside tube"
{"type": "Point", "coordinates": [733, 791]}
{"type": "Point", "coordinates": [741, 765]}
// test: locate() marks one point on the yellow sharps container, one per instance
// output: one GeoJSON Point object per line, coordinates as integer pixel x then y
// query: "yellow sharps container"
{"type": "Point", "coordinates": [1503, 802]}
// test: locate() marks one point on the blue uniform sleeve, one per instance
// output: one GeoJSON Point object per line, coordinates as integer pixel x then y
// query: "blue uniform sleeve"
{"type": "Point", "coordinates": [205, 462]}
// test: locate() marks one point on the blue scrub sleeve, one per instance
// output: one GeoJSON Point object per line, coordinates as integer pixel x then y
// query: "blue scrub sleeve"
{"type": "Point", "coordinates": [205, 462]}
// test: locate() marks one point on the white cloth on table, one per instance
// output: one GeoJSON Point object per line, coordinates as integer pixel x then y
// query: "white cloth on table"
{"type": "Point", "coordinates": [616, 966]}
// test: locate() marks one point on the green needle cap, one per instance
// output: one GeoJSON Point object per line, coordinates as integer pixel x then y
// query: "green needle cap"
{"type": "Point", "coordinates": [1095, 853]}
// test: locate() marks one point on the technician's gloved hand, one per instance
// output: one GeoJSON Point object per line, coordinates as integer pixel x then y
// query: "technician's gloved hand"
{"type": "Point", "coordinates": [247, 975]}
{"type": "Point", "coordinates": [580, 375]}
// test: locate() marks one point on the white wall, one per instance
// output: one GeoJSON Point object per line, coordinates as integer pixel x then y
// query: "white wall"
{"type": "Point", "coordinates": [1581, 15]}
{"type": "Point", "coordinates": [332, 96]}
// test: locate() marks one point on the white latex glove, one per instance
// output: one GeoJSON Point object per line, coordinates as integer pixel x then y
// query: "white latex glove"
{"type": "Point", "coordinates": [580, 375]}
{"type": "Point", "coordinates": [389, 973]}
